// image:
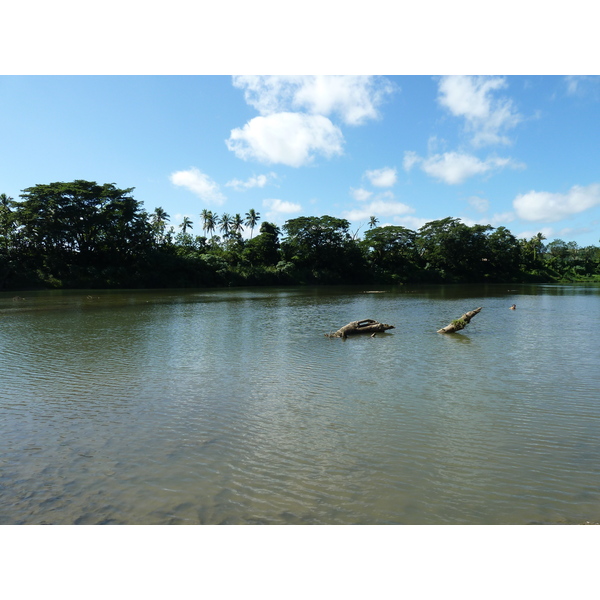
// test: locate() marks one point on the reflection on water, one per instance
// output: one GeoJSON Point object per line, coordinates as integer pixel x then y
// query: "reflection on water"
{"type": "Point", "coordinates": [231, 406]}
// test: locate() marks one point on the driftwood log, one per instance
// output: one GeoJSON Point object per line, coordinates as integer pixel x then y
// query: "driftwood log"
{"type": "Point", "coordinates": [460, 323]}
{"type": "Point", "coordinates": [364, 326]}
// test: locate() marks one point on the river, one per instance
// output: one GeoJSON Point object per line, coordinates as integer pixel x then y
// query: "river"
{"type": "Point", "coordinates": [231, 406]}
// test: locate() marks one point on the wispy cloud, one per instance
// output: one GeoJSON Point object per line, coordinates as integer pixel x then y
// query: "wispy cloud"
{"type": "Point", "coordinates": [547, 232]}
{"type": "Point", "coordinates": [200, 184]}
{"type": "Point", "coordinates": [256, 181]}
{"type": "Point", "coordinates": [479, 204]}
{"type": "Point", "coordinates": [380, 208]}
{"type": "Point", "coordinates": [548, 207]}
{"type": "Point", "coordinates": [456, 167]}
{"type": "Point", "coordinates": [583, 85]}
{"type": "Point", "coordinates": [487, 116]}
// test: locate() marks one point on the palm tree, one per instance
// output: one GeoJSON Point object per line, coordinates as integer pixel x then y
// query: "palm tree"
{"type": "Point", "coordinates": [538, 246]}
{"type": "Point", "coordinates": [373, 222]}
{"type": "Point", "coordinates": [205, 216]}
{"type": "Point", "coordinates": [252, 219]}
{"type": "Point", "coordinates": [186, 223]}
{"type": "Point", "coordinates": [210, 223]}
{"type": "Point", "coordinates": [159, 220]}
{"type": "Point", "coordinates": [225, 223]}
{"type": "Point", "coordinates": [5, 200]}
{"type": "Point", "coordinates": [237, 224]}
{"type": "Point", "coordinates": [160, 215]}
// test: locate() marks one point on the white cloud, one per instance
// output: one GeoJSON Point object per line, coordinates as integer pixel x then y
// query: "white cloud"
{"type": "Point", "coordinates": [582, 85]}
{"type": "Point", "coordinates": [199, 183]}
{"type": "Point", "coordinates": [479, 204]}
{"type": "Point", "coordinates": [547, 232]}
{"type": "Point", "coordinates": [360, 194]}
{"type": "Point", "coordinates": [354, 99]}
{"type": "Point", "coordinates": [385, 177]}
{"type": "Point", "coordinates": [414, 223]}
{"type": "Point", "coordinates": [550, 207]}
{"type": "Point", "coordinates": [255, 181]}
{"type": "Point", "coordinates": [411, 158]}
{"type": "Point", "coordinates": [379, 208]}
{"type": "Point", "coordinates": [455, 167]}
{"type": "Point", "coordinates": [472, 98]}
{"type": "Point", "coordinates": [291, 139]}
{"type": "Point", "coordinates": [280, 207]}
{"type": "Point", "coordinates": [502, 218]}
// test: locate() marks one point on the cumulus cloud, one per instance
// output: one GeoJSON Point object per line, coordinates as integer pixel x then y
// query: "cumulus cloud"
{"type": "Point", "coordinates": [456, 167]}
{"type": "Point", "coordinates": [385, 177]}
{"type": "Point", "coordinates": [255, 181]}
{"type": "Point", "coordinates": [291, 139]}
{"type": "Point", "coordinates": [487, 117]}
{"type": "Point", "coordinates": [278, 207]}
{"type": "Point", "coordinates": [549, 207]}
{"type": "Point", "coordinates": [354, 99]}
{"type": "Point", "coordinates": [360, 194]}
{"type": "Point", "coordinates": [200, 184]}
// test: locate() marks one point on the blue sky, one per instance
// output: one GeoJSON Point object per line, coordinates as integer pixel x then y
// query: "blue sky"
{"type": "Point", "coordinates": [519, 151]}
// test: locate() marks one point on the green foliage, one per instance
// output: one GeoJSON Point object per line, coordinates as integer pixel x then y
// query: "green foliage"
{"type": "Point", "coordinates": [82, 234]}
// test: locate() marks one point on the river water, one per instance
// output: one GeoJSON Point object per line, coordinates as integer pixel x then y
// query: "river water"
{"type": "Point", "coordinates": [233, 407]}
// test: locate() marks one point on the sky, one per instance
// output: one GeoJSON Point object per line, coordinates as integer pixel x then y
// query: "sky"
{"type": "Point", "coordinates": [422, 121]}
{"type": "Point", "coordinates": [516, 151]}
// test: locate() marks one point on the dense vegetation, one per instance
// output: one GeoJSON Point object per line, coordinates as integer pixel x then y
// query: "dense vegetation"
{"type": "Point", "coordinates": [84, 235]}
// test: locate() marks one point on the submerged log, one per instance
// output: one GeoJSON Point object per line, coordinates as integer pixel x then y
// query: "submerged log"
{"type": "Point", "coordinates": [460, 323]}
{"type": "Point", "coordinates": [364, 326]}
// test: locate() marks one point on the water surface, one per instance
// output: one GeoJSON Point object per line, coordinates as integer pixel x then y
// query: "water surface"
{"type": "Point", "coordinates": [231, 406]}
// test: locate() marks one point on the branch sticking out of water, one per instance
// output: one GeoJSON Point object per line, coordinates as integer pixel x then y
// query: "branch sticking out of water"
{"type": "Point", "coordinates": [461, 322]}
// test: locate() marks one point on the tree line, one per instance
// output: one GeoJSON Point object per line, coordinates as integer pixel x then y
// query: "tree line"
{"type": "Point", "coordinates": [84, 235]}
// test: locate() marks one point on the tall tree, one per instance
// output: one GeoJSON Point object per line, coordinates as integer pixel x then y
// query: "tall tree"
{"type": "Point", "coordinates": [237, 225]}
{"type": "Point", "coordinates": [204, 215]}
{"type": "Point", "coordinates": [80, 225]}
{"type": "Point", "coordinates": [323, 246]}
{"type": "Point", "coordinates": [225, 223]}
{"type": "Point", "coordinates": [252, 219]}
{"type": "Point", "coordinates": [186, 224]}
{"type": "Point", "coordinates": [453, 250]}
{"type": "Point", "coordinates": [392, 251]}
{"type": "Point", "coordinates": [159, 222]}
{"type": "Point", "coordinates": [209, 221]}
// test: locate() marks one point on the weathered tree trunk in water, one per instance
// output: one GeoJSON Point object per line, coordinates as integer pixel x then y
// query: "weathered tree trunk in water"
{"type": "Point", "coordinates": [461, 323]}
{"type": "Point", "coordinates": [364, 326]}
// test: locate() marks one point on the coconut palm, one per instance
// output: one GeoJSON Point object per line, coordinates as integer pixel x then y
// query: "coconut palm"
{"type": "Point", "coordinates": [373, 222]}
{"type": "Point", "coordinates": [205, 216]}
{"type": "Point", "coordinates": [237, 224]}
{"type": "Point", "coordinates": [225, 223]}
{"type": "Point", "coordinates": [252, 219]}
{"type": "Point", "coordinates": [159, 220]}
{"type": "Point", "coordinates": [5, 201]}
{"type": "Point", "coordinates": [187, 223]}
{"type": "Point", "coordinates": [210, 221]}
